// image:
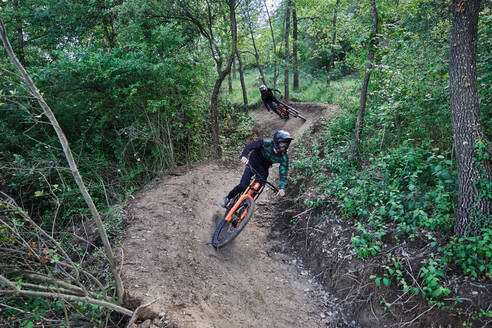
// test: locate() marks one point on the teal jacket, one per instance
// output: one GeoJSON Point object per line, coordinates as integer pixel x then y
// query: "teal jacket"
{"type": "Point", "coordinates": [264, 155]}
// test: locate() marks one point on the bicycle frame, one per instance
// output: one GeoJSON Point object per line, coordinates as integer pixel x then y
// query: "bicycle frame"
{"type": "Point", "coordinates": [286, 109]}
{"type": "Point", "coordinates": [239, 213]}
{"type": "Point", "coordinates": [254, 190]}
{"type": "Point", "coordinates": [281, 107]}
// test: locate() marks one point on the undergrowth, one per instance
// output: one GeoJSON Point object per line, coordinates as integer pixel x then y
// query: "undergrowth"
{"type": "Point", "coordinates": [400, 196]}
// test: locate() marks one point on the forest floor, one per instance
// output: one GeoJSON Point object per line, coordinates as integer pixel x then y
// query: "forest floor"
{"type": "Point", "coordinates": [167, 258]}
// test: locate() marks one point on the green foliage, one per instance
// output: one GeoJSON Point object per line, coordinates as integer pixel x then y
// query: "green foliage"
{"type": "Point", "coordinates": [38, 306]}
{"type": "Point", "coordinates": [432, 274]}
{"type": "Point", "coordinates": [125, 122]}
{"type": "Point", "coordinates": [472, 254]}
{"type": "Point", "coordinates": [410, 83]}
{"type": "Point", "coordinates": [430, 285]}
{"type": "Point", "coordinates": [236, 126]}
{"type": "Point", "coordinates": [410, 187]}
{"type": "Point", "coordinates": [312, 88]}
{"type": "Point", "coordinates": [484, 184]}
{"type": "Point", "coordinates": [484, 70]}
{"type": "Point", "coordinates": [367, 242]}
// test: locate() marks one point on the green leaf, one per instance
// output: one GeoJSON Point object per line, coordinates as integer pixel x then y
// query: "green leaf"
{"type": "Point", "coordinates": [27, 324]}
{"type": "Point", "coordinates": [386, 282]}
{"type": "Point", "coordinates": [436, 292]}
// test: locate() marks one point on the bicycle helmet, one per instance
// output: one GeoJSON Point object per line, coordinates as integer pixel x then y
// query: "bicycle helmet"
{"type": "Point", "coordinates": [263, 88]}
{"type": "Point", "coordinates": [281, 136]}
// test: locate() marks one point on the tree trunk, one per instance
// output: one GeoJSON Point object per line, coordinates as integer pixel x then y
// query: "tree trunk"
{"type": "Point", "coordinates": [294, 49]}
{"type": "Point", "coordinates": [71, 162]}
{"type": "Point", "coordinates": [287, 58]}
{"type": "Point", "coordinates": [331, 64]}
{"type": "Point", "coordinates": [354, 150]}
{"type": "Point", "coordinates": [213, 113]}
{"type": "Point", "coordinates": [220, 78]}
{"type": "Point", "coordinates": [20, 32]}
{"type": "Point", "coordinates": [275, 65]}
{"type": "Point", "coordinates": [229, 82]}
{"type": "Point", "coordinates": [257, 56]}
{"type": "Point", "coordinates": [465, 116]}
{"type": "Point", "coordinates": [241, 77]}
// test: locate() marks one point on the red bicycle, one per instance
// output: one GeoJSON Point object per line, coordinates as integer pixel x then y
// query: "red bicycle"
{"type": "Point", "coordinates": [239, 211]}
{"type": "Point", "coordinates": [286, 110]}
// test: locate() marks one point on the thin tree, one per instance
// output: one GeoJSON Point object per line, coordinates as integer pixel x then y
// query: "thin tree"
{"type": "Point", "coordinates": [331, 63]}
{"type": "Point", "coordinates": [465, 115]}
{"type": "Point", "coordinates": [229, 81]}
{"type": "Point", "coordinates": [251, 33]}
{"type": "Point", "coordinates": [294, 49]}
{"type": "Point", "coordinates": [204, 21]}
{"type": "Point", "coordinates": [287, 55]}
{"type": "Point", "coordinates": [20, 32]}
{"type": "Point", "coordinates": [354, 150]}
{"type": "Point", "coordinates": [68, 154]}
{"type": "Point", "coordinates": [241, 77]}
{"type": "Point", "coordinates": [274, 45]}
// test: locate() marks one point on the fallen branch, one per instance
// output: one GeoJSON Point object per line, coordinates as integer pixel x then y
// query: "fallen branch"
{"type": "Point", "coordinates": [409, 322]}
{"type": "Point", "coordinates": [135, 313]}
{"type": "Point", "coordinates": [7, 282]}
{"type": "Point", "coordinates": [41, 278]}
{"type": "Point", "coordinates": [71, 298]}
{"type": "Point", "coordinates": [304, 212]}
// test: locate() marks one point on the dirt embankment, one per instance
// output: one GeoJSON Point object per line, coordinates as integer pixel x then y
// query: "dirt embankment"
{"type": "Point", "coordinates": [167, 256]}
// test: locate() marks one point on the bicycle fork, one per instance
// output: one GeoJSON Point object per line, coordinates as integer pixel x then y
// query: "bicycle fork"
{"type": "Point", "coordinates": [253, 193]}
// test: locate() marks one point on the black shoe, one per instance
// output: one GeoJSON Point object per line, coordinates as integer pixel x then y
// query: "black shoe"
{"type": "Point", "coordinates": [224, 202]}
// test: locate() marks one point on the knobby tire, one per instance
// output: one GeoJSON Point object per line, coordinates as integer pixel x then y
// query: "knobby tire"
{"type": "Point", "coordinates": [225, 232]}
{"type": "Point", "coordinates": [293, 112]}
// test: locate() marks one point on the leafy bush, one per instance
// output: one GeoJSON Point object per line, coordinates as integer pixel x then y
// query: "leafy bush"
{"type": "Point", "coordinates": [413, 187]}
{"type": "Point", "coordinates": [472, 254]}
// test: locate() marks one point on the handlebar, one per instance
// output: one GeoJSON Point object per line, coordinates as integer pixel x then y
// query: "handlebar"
{"type": "Point", "coordinates": [261, 180]}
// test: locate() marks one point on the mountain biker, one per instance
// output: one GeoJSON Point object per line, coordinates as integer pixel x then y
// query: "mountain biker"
{"type": "Point", "coordinates": [268, 99]}
{"type": "Point", "coordinates": [264, 153]}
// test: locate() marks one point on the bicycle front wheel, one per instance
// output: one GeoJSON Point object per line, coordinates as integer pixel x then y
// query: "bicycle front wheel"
{"type": "Point", "coordinates": [228, 230]}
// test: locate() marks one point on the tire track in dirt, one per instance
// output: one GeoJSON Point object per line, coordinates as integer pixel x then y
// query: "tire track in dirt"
{"type": "Point", "coordinates": [167, 255]}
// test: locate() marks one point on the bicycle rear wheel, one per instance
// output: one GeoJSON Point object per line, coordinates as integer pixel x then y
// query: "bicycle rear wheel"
{"type": "Point", "coordinates": [291, 110]}
{"type": "Point", "coordinates": [227, 231]}
{"type": "Point", "coordinates": [295, 113]}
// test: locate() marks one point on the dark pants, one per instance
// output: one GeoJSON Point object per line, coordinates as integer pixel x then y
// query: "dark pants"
{"type": "Point", "coordinates": [262, 174]}
{"type": "Point", "coordinates": [273, 107]}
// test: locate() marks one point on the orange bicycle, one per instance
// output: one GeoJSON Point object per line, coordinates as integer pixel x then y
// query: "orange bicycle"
{"type": "Point", "coordinates": [239, 211]}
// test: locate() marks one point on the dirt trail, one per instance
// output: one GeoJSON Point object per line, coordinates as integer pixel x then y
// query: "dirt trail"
{"type": "Point", "coordinates": [167, 253]}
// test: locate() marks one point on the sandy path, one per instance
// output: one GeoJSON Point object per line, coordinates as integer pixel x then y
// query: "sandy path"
{"type": "Point", "coordinates": [167, 253]}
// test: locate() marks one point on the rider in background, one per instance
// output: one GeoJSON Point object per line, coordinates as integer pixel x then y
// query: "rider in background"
{"type": "Point", "coordinates": [268, 99]}
{"type": "Point", "coordinates": [264, 153]}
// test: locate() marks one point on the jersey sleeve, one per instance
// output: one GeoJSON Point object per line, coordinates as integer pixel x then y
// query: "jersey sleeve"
{"type": "Point", "coordinates": [283, 171]}
{"type": "Point", "coordinates": [252, 146]}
